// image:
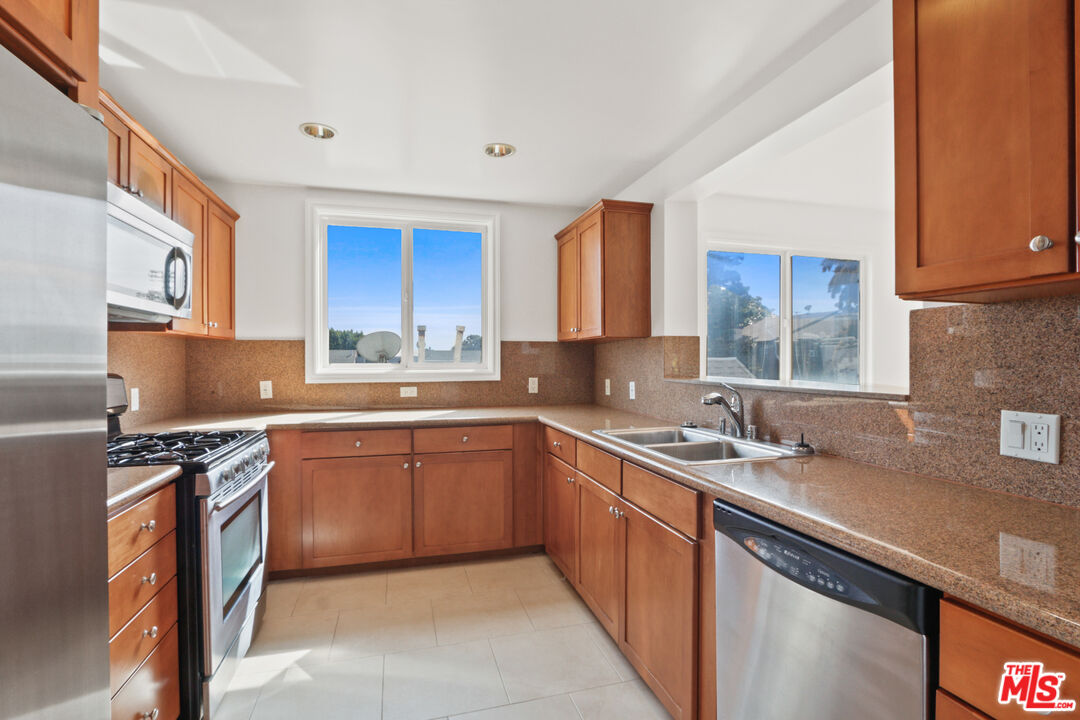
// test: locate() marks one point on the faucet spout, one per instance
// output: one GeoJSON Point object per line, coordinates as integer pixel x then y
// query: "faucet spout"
{"type": "Point", "coordinates": [732, 408]}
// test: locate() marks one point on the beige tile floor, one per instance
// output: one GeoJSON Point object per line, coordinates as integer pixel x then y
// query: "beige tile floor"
{"type": "Point", "coordinates": [504, 639]}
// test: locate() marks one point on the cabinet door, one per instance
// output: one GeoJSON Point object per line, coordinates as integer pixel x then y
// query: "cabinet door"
{"type": "Point", "coordinates": [591, 278]}
{"type": "Point", "coordinates": [58, 39]}
{"type": "Point", "coordinates": [660, 614]}
{"type": "Point", "coordinates": [568, 285]}
{"type": "Point", "coordinates": [117, 147]}
{"type": "Point", "coordinates": [600, 540]}
{"type": "Point", "coordinates": [149, 175]}
{"type": "Point", "coordinates": [463, 502]}
{"type": "Point", "coordinates": [220, 249]}
{"type": "Point", "coordinates": [983, 116]}
{"type": "Point", "coordinates": [190, 210]}
{"type": "Point", "coordinates": [356, 510]}
{"type": "Point", "coordinates": [560, 515]}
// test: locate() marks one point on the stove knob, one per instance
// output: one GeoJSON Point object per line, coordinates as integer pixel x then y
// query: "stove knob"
{"type": "Point", "coordinates": [226, 475]}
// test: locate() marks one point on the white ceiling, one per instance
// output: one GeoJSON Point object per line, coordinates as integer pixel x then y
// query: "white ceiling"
{"type": "Point", "coordinates": [593, 92]}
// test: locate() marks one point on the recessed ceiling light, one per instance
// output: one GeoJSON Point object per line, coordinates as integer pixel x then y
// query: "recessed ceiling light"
{"type": "Point", "coordinates": [317, 130]}
{"type": "Point", "coordinates": [498, 150]}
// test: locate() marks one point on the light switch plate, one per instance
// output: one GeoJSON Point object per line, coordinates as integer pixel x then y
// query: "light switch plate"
{"type": "Point", "coordinates": [1031, 436]}
{"type": "Point", "coordinates": [534, 385]}
{"type": "Point", "coordinates": [633, 390]}
{"type": "Point", "coordinates": [408, 391]}
{"type": "Point", "coordinates": [133, 401]}
{"type": "Point", "coordinates": [607, 386]}
{"type": "Point", "coordinates": [266, 389]}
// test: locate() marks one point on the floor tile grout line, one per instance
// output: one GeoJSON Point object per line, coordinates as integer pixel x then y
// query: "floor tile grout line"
{"type": "Point", "coordinates": [502, 681]}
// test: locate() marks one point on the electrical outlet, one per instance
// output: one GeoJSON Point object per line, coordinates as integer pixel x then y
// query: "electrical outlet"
{"type": "Point", "coordinates": [266, 389]}
{"type": "Point", "coordinates": [133, 401]}
{"type": "Point", "coordinates": [607, 386]}
{"type": "Point", "coordinates": [534, 385]}
{"type": "Point", "coordinates": [408, 391]}
{"type": "Point", "coordinates": [633, 390]}
{"type": "Point", "coordinates": [1031, 436]}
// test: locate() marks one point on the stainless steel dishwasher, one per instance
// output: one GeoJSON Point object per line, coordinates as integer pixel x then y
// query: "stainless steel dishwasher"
{"type": "Point", "coordinates": [805, 631]}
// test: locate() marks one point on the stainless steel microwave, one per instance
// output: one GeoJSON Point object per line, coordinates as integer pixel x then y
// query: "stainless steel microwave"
{"type": "Point", "coordinates": [148, 262]}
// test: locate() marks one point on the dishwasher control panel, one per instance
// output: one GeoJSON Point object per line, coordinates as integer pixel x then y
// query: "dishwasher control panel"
{"type": "Point", "coordinates": [801, 567]}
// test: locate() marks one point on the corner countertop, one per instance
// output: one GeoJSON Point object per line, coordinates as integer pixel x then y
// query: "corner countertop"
{"type": "Point", "coordinates": [128, 484]}
{"type": "Point", "coordinates": [971, 543]}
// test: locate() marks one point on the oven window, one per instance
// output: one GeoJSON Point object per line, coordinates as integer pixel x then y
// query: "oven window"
{"type": "Point", "coordinates": [241, 551]}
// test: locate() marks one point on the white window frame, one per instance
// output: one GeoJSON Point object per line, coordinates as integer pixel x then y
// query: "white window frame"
{"type": "Point", "coordinates": [317, 337]}
{"type": "Point", "coordinates": [724, 244]}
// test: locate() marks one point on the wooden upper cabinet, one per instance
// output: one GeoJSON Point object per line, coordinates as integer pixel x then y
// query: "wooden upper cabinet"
{"type": "Point", "coordinates": [220, 259]}
{"type": "Point", "coordinates": [149, 175]}
{"type": "Point", "coordinates": [191, 209]}
{"type": "Point", "coordinates": [463, 502]}
{"type": "Point", "coordinates": [984, 121]}
{"type": "Point", "coordinates": [604, 265]}
{"type": "Point", "coordinates": [118, 147]}
{"type": "Point", "coordinates": [58, 39]}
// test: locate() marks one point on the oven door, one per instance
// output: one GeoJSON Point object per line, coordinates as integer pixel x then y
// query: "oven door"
{"type": "Point", "coordinates": [234, 533]}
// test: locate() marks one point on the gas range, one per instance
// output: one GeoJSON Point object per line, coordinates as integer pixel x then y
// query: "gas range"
{"type": "Point", "coordinates": [216, 459]}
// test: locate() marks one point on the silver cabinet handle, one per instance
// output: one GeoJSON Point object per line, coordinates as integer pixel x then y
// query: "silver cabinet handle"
{"type": "Point", "coordinates": [152, 715]}
{"type": "Point", "coordinates": [139, 193]}
{"type": "Point", "coordinates": [418, 463]}
{"type": "Point", "coordinates": [405, 466]}
{"type": "Point", "coordinates": [556, 444]}
{"type": "Point", "coordinates": [152, 579]}
{"type": "Point", "coordinates": [611, 509]}
{"type": "Point", "coordinates": [569, 480]}
{"type": "Point", "coordinates": [150, 526]}
{"type": "Point", "coordinates": [618, 513]}
{"type": "Point", "coordinates": [359, 443]}
{"type": "Point", "coordinates": [151, 633]}
{"type": "Point", "coordinates": [1040, 243]}
{"type": "Point", "coordinates": [464, 438]}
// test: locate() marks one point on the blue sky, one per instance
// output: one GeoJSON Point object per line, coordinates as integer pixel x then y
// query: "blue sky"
{"type": "Point", "coordinates": [364, 281]}
{"type": "Point", "coordinates": [761, 273]}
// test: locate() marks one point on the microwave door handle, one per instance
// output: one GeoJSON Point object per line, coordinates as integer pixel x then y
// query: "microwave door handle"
{"type": "Point", "coordinates": [229, 500]}
{"type": "Point", "coordinates": [182, 298]}
{"type": "Point", "coordinates": [177, 301]}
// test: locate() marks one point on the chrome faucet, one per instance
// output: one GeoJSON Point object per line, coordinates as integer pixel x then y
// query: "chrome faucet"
{"type": "Point", "coordinates": [733, 408]}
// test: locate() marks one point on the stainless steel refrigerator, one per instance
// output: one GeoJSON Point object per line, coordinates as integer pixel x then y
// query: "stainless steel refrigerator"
{"type": "Point", "coordinates": [54, 658]}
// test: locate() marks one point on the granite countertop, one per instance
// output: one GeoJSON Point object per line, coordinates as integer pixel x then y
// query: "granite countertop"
{"type": "Point", "coordinates": [1017, 557]}
{"type": "Point", "coordinates": [127, 484]}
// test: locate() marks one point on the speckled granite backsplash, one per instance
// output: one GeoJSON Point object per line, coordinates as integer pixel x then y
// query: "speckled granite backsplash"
{"type": "Point", "coordinates": [968, 362]}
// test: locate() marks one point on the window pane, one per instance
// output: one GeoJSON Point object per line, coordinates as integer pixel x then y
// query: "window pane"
{"type": "Point", "coordinates": [743, 315]}
{"type": "Point", "coordinates": [363, 293]}
{"type": "Point", "coordinates": [825, 314]}
{"type": "Point", "coordinates": [447, 296]}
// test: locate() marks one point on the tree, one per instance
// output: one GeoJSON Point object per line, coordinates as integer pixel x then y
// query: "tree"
{"type": "Point", "coordinates": [472, 342]}
{"type": "Point", "coordinates": [344, 339]}
{"type": "Point", "coordinates": [730, 305]}
{"type": "Point", "coordinates": [844, 283]}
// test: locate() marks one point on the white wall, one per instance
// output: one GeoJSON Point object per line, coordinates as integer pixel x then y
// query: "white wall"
{"type": "Point", "coordinates": [270, 271]}
{"type": "Point", "coordinates": [860, 232]}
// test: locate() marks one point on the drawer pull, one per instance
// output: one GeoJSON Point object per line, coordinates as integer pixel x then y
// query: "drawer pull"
{"type": "Point", "coordinates": [618, 513]}
{"type": "Point", "coordinates": [556, 444]}
{"type": "Point", "coordinates": [151, 633]}
{"type": "Point", "coordinates": [152, 579]}
{"type": "Point", "coordinates": [418, 463]}
{"type": "Point", "coordinates": [150, 526]}
{"type": "Point", "coordinates": [464, 438]}
{"type": "Point", "coordinates": [569, 480]}
{"type": "Point", "coordinates": [406, 466]}
{"type": "Point", "coordinates": [152, 715]}
{"type": "Point", "coordinates": [359, 443]}
{"type": "Point", "coordinates": [611, 509]}
{"type": "Point", "coordinates": [1040, 243]}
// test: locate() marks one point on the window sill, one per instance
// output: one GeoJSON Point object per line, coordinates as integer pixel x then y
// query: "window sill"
{"type": "Point", "coordinates": [890, 394]}
{"type": "Point", "coordinates": [404, 378]}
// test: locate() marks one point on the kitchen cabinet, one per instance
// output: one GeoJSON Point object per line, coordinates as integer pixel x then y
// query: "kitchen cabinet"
{"type": "Point", "coordinates": [356, 510]}
{"type": "Point", "coordinates": [118, 147]}
{"type": "Point", "coordinates": [463, 502]}
{"type": "Point", "coordinates": [58, 39]}
{"type": "Point", "coordinates": [149, 175]}
{"type": "Point", "coordinates": [600, 551]}
{"type": "Point", "coordinates": [603, 273]}
{"type": "Point", "coordinates": [560, 515]}
{"type": "Point", "coordinates": [949, 708]}
{"type": "Point", "coordinates": [190, 209]}
{"type": "Point", "coordinates": [220, 272]}
{"type": "Point", "coordinates": [984, 120]}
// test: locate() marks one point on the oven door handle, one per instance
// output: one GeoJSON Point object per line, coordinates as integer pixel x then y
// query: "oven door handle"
{"type": "Point", "coordinates": [229, 500]}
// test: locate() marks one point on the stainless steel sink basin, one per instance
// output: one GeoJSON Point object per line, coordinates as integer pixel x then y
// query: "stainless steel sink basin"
{"type": "Point", "coordinates": [695, 446]}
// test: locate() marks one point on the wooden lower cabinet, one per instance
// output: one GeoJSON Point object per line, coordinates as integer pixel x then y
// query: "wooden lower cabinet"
{"type": "Point", "coordinates": [949, 708]}
{"type": "Point", "coordinates": [600, 551]}
{"type": "Point", "coordinates": [356, 510]}
{"type": "Point", "coordinates": [561, 515]}
{"type": "Point", "coordinates": [154, 690]}
{"type": "Point", "coordinates": [463, 502]}
{"type": "Point", "coordinates": [660, 622]}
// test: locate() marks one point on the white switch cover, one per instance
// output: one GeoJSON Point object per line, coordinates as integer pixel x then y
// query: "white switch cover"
{"type": "Point", "coordinates": [266, 389]}
{"type": "Point", "coordinates": [133, 402]}
{"type": "Point", "coordinates": [1031, 436]}
{"type": "Point", "coordinates": [633, 390]}
{"type": "Point", "coordinates": [408, 391]}
{"type": "Point", "coordinates": [534, 385]}
{"type": "Point", "coordinates": [607, 386]}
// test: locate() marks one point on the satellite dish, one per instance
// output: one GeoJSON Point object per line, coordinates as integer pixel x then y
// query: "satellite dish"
{"type": "Point", "coordinates": [379, 347]}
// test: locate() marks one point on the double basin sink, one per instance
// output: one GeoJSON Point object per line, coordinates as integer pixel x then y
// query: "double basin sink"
{"type": "Point", "coordinates": [695, 446]}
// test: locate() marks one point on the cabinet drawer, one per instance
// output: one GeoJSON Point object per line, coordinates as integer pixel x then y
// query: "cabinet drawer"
{"type": "Point", "coordinates": [140, 636]}
{"type": "Point", "coordinates": [133, 587]}
{"type": "Point", "coordinates": [154, 686]}
{"type": "Point", "coordinates": [137, 528]}
{"type": "Point", "coordinates": [975, 648]}
{"type": "Point", "coordinates": [479, 437]}
{"type": "Point", "coordinates": [355, 443]}
{"type": "Point", "coordinates": [949, 708]}
{"type": "Point", "coordinates": [671, 502]}
{"type": "Point", "coordinates": [560, 445]}
{"type": "Point", "coordinates": [601, 467]}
